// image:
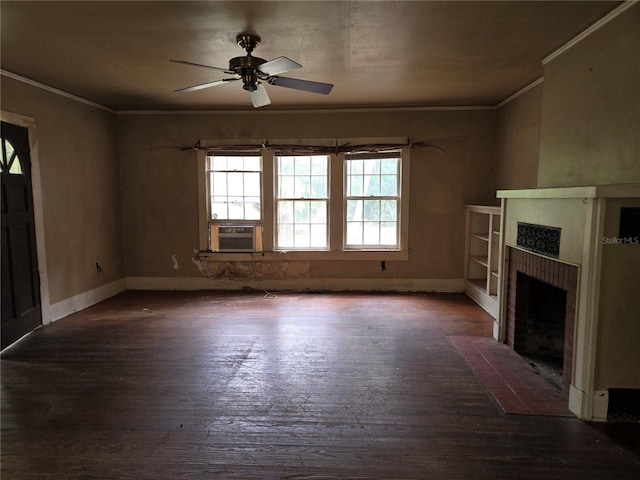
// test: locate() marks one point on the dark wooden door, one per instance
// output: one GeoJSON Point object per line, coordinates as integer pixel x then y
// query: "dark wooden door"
{"type": "Point", "coordinates": [21, 311]}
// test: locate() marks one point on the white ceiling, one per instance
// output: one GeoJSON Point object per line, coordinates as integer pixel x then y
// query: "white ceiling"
{"type": "Point", "coordinates": [376, 53]}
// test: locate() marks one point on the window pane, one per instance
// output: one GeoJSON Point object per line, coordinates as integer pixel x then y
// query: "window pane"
{"type": "Point", "coordinates": [389, 166]}
{"type": "Point", "coordinates": [285, 165]}
{"type": "Point", "coordinates": [319, 165]}
{"type": "Point", "coordinates": [356, 186]}
{"type": "Point", "coordinates": [252, 164]}
{"type": "Point", "coordinates": [286, 187]}
{"type": "Point", "coordinates": [251, 183]}
{"type": "Point", "coordinates": [389, 210]}
{"type": "Point", "coordinates": [388, 185]}
{"type": "Point", "coordinates": [285, 235]}
{"type": "Point", "coordinates": [372, 210]}
{"type": "Point", "coordinates": [303, 165]}
{"type": "Point", "coordinates": [354, 233]}
{"type": "Point", "coordinates": [318, 212]}
{"type": "Point", "coordinates": [318, 236]}
{"type": "Point", "coordinates": [371, 185]}
{"type": "Point", "coordinates": [235, 183]}
{"type": "Point", "coordinates": [388, 233]}
{"type": "Point", "coordinates": [302, 237]}
{"type": "Point", "coordinates": [219, 209]}
{"type": "Point", "coordinates": [285, 212]}
{"type": "Point", "coordinates": [354, 210]}
{"type": "Point", "coordinates": [219, 163]}
{"type": "Point", "coordinates": [372, 166]}
{"type": "Point", "coordinates": [219, 183]}
{"type": "Point", "coordinates": [252, 208]}
{"type": "Point", "coordinates": [318, 187]}
{"type": "Point", "coordinates": [356, 167]}
{"type": "Point", "coordinates": [371, 233]}
{"type": "Point", "coordinates": [236, 208]}
{"type": "Point", "coordinates": [301, 212]}
{"type": "Point", "coordinates": [302, 187]}
{"type": "Point", "coordinates": [235, 163]}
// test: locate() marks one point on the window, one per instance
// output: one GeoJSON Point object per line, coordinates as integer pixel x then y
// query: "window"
{"type": "Point", "coordinates": [311, 203]}
{"type": "Point", "coordinates": [10, 161]}
{"type": "Point", "coordinates": [234, 191]}
{"type": "Point", "coordinates": [302, 202]}
{"type": "Point", "coordinates": [372, 186]}
{"type": "Point", "coordinates": [234, 187]}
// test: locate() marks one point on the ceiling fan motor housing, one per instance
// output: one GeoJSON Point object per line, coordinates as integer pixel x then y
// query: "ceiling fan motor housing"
{"type": "Point", "coordinates": [246, 67]}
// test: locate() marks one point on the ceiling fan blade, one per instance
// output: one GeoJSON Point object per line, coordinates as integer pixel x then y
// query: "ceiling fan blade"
{"type": "Point", "coordinates": [259, 97]}
{"type": "Point", "coordinates": [225, 70]}
{"type": "Point", "coordinates": [278, 65]}
{"type": "Point", "coordinates": [206, 85]}
{"type": "Point", "coordinates": [306, 85]}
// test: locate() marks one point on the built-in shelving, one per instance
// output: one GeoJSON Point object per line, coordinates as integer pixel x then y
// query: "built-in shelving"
{"type": "Point", "coordinates": [482, 256]}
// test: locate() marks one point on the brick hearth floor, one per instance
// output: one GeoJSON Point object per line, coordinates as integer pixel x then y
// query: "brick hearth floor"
{"type": "Point", "coordinates": [510, 379]}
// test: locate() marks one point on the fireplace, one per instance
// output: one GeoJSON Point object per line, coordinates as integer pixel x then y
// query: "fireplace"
{"type": "Point", "coordinates": [541, 300]}
{"type": "Point", "coordinates": [572, 246]}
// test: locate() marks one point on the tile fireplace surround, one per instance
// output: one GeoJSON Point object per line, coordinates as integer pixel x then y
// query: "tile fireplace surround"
{"type": "Point", "coordinates": [596, 268]}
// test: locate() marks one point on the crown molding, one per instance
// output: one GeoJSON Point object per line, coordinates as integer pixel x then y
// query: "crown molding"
{"type": "Point", "coordinates": [56, 91]}
{"type": "Point", "coordinates": [304, 111]}
{"type": "Point", "coordinates": [522, 91]}
{"type": "Point", "coordinates": [596, 26]}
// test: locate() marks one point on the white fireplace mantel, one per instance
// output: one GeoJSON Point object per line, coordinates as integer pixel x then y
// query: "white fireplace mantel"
{"type": "Point", "coordinates": [608, 285]}
{"type": "Point", "coordinates": [593, 191]}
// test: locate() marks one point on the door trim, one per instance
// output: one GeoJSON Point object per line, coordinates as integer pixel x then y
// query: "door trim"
{"type": "Point", "coordinates": [36, 181]}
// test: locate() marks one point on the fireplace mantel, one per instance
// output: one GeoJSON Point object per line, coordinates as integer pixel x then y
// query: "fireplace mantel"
{"type": "Point", "coordinates": [593, 191]}
{"type": "Point", "coordinates": [606, 326]}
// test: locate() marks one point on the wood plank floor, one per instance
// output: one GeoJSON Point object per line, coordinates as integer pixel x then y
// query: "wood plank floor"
{"type": "Point", "coordinates": [211, 385]}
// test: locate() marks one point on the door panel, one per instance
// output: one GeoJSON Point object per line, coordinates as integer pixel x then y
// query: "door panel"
{"type": "Point", "coordinates": [21, 310]}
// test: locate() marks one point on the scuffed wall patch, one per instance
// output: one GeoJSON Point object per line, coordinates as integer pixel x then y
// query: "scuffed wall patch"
{"type": "Point", "coordinates": [250, 269]}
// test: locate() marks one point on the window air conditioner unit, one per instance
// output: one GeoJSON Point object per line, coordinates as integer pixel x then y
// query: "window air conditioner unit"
{"type": "Point", "coordinates": [236, 238]}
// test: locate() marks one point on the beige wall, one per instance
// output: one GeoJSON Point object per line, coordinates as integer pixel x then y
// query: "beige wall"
{"type": "Point", "coordinates": [80, 177]}
{"type": "Point", "coordinates": [160, 183]}
{"type": "Point", "coordinates": [618, 355]}
{"type": "Point", "coordinates": [518, 141]}
{"type": "Point", "coordinates": [590, 130]}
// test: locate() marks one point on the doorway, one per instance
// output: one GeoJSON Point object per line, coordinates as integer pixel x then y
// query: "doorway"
{"type": "Point", "coordinates": [21, 304]}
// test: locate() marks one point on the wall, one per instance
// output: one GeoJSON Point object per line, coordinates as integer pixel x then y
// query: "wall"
{"type": "Point", "coordinates": [160, 185]}
{"type": "Point", "coordinates": [590, 130]}
{"type": "Point", "coordinates": [518, 140]}
{"type": "Point", "coordinates": [80, 179]}
{"type": "Point", "coordinates": [619, 329]}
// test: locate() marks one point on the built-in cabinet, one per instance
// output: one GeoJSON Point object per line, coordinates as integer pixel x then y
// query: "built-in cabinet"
{"type": "Point", "coordinates": [482, 256]}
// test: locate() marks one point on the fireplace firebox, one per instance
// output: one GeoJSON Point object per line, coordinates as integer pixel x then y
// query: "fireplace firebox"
{"type": "Point", "coordinates": [541, 304]}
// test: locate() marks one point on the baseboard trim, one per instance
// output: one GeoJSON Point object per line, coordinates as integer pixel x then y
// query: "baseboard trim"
{"type": "Point", "coordinates": [83, 300]}
{"type": "Point", "coordinates": [448, 285]}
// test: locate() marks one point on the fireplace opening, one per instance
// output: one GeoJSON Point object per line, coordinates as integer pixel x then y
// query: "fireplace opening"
{"type": "Point", "coordinates": [540, 321]}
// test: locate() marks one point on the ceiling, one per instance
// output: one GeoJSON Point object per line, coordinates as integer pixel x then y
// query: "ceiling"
{"type": "Point", "coordinates": [376, 53]}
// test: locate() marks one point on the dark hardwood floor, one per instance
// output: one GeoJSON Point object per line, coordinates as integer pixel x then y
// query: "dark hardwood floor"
{"type": "Point", "coordinates": [211, 385]}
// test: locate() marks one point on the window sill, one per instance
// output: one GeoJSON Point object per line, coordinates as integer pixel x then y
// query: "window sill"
{"type": "Point", "coordinates": [358, 255]}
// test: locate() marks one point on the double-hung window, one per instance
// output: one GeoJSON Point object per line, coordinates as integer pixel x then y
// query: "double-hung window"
{"type": "Point", "coordinates": [372, 198]}
{"type": "Point", "coordinates": [234, 208]}
{"type": "Point", "coordinates": [302, 202]}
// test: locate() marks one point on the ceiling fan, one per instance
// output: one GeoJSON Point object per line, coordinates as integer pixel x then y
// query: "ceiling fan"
{"type": "Point", "coordinates": [254, 70]}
